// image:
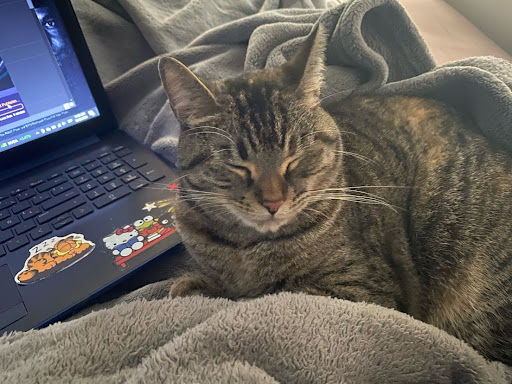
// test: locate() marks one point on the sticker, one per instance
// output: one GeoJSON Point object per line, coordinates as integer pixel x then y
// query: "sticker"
{"type": "Point", "coordinates": [53, 255]}
{"type": "Point", "coordinates": [132, 239]}
{"type": "Point", "coordinates": [159, 204]}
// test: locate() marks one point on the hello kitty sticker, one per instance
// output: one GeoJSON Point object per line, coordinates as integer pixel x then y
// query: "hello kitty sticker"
{"type": "Point", "coordinates": [53, 255]}
{"type": "Point", "coordinates": [132, 239]}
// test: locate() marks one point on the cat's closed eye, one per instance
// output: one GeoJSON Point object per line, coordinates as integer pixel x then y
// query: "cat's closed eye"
{"type": "Point", "coordinates": [241, 170]}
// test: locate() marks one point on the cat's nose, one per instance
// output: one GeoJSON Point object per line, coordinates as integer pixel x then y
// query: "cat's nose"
{"type": "Point", "coordinates": [273, 206]}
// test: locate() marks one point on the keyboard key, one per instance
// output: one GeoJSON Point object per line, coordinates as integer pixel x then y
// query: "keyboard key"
{"type": "Point", "coordinates": [105, 178]}
{"type": "Point", "coordinates": [17, 242]}
{"type": "Point", "coordinates": [59, 199]}
{"type": "Point", "coordinates": [36, 183]}
{"type": "Point", "coordinates": [72, 168]}
{"type": "Point", "coordinates": [82, 211]}
{"type": "Point", "coordinates": [25, 226]}
{"type": "Point", "coordinates": [76, 172]}
{"type": "Point", "coordinates": [123, 152]}
{"type": "Point", "coordinates": [88, 186]}
{"type": "Point", "coordinates": [88, 161]}
{"type": "Point", "coordinates": [99, 171]}
{"type": "Point", "coordinates": [6, 235]}
{"type": "Point", "coordinates": [54, 175]}
{"type": "Point", "coordinates": [130, 177]}
{"type": "Point", "coordinates": [122, 170]}
{"type": "Point", "coordinates": [2, 251]}
{"type": "Point", "coordinates": [108, 159]}
{"type": "Point", "coordinates": [61, 221]}
{"type": "Point", "coordinates": [3, 196]}
{"type": "Point", "coordinates": [59, 210]}
{"type": "Point", "coordinates": [26, 195]}
{"type": "Point", "coordinates": [138, 184]}
{"type": "Point", "coordinates": [115, 164]}
{"type": "Point", "coordinates": [31, 212]}
{"type": "Point", "coordinates": [62, 188]}
{"type": "Point", "coordinates": [40, 231]}
{"type": "Point", "coordinates": [114, 184]}
{"type": "Point", "coordinates": [9, 222]}
{"type": "Point", "coordinates": [151, 173]}
{"type": "Point", "coordinates": [20, 207]}
{"type": "Point", "coordinates": [18, 190]}
{"type": "Point", "coordinates": [92, 165]}
{"type": "Point", "coordinates": [7, 202]}
{"type": "Point", "coordinates": [81, 179]}
{"type": "Point", "coordinates": [95, 193]}
{"type": "Point", "coordinates": [40, 198]}
{"type": "Point", "coordinates": [4, 214]}
{"type": "Point", "coordinates": [52, 183]}
{"type": "Point", "coordinates": [118, 148]}
{"type": "Point", "coordinates": [111, 197]}
{"type": "Point", "coordinates": [103, 154]}
{"type": "Point", "coordinates": [135, 162]}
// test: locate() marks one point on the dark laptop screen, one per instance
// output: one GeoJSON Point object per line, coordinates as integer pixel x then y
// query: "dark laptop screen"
{"type": "Point", "coordinates": [42, 87]}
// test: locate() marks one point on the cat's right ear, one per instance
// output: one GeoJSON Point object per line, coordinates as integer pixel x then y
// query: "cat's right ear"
{"type": "Point", "coordinates": [190, 99]}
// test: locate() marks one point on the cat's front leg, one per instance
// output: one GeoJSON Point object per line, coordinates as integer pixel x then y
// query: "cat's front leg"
{"type": "Point", "coordinates": [193, 284]}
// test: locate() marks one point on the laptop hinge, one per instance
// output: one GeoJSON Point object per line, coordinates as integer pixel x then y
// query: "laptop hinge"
{"type": "Point", "coordinates": [52, 156]}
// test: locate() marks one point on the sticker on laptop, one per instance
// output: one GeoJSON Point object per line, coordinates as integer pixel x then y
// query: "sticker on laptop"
{"type": "Point", "coordinates": [53, 255]}
{"type": "Point", "coordinates": [134, 238]}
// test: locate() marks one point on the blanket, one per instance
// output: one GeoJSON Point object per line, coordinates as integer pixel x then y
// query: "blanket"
{"type": "Point", "coordinates": [147, 337]}
{"type": "Point", "coordinates": [288, 338]}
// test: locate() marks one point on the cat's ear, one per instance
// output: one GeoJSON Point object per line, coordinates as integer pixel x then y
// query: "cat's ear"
{"type": "Point", "coordinates": [308, 65]}
{"type": "Point", "coordinates": [190, 99]}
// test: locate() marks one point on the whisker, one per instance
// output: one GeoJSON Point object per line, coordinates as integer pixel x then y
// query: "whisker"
{"type": "Point", "coordinates": [317, 211]}
{"type": "Point", "coordinates": [213, 133]}
{"type": "Point", "coordinates": [357, 156]}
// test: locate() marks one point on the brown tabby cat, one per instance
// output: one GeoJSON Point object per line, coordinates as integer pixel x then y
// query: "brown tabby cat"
{"type": "Point", "coordinates": [389, 200]}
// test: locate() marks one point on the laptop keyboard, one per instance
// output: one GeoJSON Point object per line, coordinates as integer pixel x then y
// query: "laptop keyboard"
{"type": "Point", "coordinates": [35, 210]}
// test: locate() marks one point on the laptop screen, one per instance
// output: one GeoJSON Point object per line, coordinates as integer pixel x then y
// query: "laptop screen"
{"type": "Point", "coordinates": [42, 86]}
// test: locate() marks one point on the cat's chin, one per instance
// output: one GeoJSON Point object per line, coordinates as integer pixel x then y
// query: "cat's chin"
{"type": "Point", "coordinates": [270, 225]}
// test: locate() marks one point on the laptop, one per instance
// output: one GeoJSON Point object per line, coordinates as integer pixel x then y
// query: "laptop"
{"type": "Point", "coordinates": [82, 205]}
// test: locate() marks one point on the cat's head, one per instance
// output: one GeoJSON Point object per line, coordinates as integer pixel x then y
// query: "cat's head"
{"type": "Point", "coordinates": [255, 149]}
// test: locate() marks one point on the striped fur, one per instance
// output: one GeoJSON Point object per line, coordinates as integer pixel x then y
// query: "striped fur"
{"type": "Point", "coordinates": [395, 201]}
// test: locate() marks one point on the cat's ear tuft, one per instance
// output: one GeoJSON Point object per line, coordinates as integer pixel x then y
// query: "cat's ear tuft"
{"type": "Point", "coordinates": [190, 99]}
{"type": "Point", "coordinates": [308, 65]}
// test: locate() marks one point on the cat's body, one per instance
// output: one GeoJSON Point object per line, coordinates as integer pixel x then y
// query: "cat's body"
{"type": "Point", "coordinates": [394, 201]}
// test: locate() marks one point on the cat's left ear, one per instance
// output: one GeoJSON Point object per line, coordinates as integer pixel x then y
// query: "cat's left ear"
{"type": "Point", "coordinates": [308, 65]}
{"type": "Point", "coordinates": [190, 98]}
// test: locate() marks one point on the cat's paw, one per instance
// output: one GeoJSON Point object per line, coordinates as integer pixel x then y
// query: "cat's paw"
{"type": "Point", "coordinates": [187, 285]}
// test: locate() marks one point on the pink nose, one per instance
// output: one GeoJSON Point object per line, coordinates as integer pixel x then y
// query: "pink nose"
{"type": "Point", "coordinates": [273, 206]}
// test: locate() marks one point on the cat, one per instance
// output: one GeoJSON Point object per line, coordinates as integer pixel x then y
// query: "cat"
{"type": "Point", "coordinates": [395, 200]}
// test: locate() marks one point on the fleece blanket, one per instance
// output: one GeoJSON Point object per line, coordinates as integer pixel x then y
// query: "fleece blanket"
{"type": "Point", "coordinates": [146, 336]}
{"type": "Point", "coordinates": [287, 338]}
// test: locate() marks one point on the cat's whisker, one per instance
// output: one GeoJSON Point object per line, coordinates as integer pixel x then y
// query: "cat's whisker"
{"type": "Point", "coordinates": [331, 95]}
{"type": "Point", "coordinates": [354, 198]}
{"type": "Point", "coordinates": [209, 127]}
{"type": "Point", "coordinates": [211, 132]}
{"type": "Point", "coordinates": [317, 211]}
{"type": "Point", "coordinates": [212, 195]}
{"type": "Point", "coordinates": [353, 191]}
{"type": "Point", "coordinates": [357, 156]}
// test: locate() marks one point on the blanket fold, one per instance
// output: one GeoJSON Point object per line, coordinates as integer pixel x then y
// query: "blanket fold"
{"type": "Point", "coordinates": [147, 337]}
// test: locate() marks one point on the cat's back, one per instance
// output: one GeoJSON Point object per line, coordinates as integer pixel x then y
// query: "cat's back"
{"type": "Point", "coordinates": [458, 208]}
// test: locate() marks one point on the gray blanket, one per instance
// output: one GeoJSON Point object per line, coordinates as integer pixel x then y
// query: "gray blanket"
{"type": "Point", "coordinates": [147, 337]}
{"type": "Point", "coordinates": [286, 338]}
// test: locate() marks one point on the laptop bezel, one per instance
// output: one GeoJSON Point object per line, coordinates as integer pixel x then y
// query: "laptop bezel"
{"type": "Point", "coordinates": [100, 125]}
